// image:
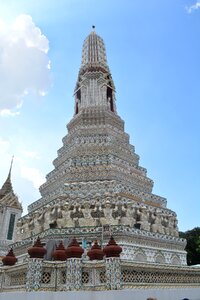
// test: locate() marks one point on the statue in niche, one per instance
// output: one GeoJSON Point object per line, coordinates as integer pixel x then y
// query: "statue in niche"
{"type": "Point", "coordinates": [47, 219]}
{"type": "Point", "coordinates": [54, 213]}
{"type": "Point", "coordinates": [119, 211]}
{"type": "Point", "coordinates": [59, 214]}
{"type": "Point", "coordinates": [59, 211]}
{"type": "Point", "coordinates": [108, 218]}
{"type": "Point", "coordinates": [176, 227]}
{"type": "Point", "coordinates": [31, 224]}
{"type": "Point", "coordinates": [165, 223]}
{"type": "Point", "coordinates": [129, 219]}
{"type": "Point", "coordinates": [115, 212]}
{"type": "Point", "coordinates": [143, 218]}
{"type": "Point", "coordinates": [77, 212]}
{"type": "Point", "coordinates": [157, 222]}
{"type": "Point", "coordinates": [172, 225]}
{"type": "Point", "coordinates": [97, 212]}
{"type": "Point", "coordinates": [66, 220]}
{"type": "Point", "coordinates": [39, 221]}
{"type": "Point", "coordinates": [87, 219]}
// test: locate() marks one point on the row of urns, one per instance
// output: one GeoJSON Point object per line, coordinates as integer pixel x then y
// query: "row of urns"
{"type": "Point", "coordinates": [73, 250]}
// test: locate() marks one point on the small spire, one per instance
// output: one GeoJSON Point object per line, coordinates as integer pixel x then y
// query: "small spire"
{"type": "Point", "coordinates": [93, 27]}
{"type": "Point", "coordinates": [9, 174]}
{"type": "Point", "coordinates": [7, 186]}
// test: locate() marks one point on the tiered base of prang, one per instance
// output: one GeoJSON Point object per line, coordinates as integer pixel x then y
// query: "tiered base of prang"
{"type": "Point", "coordinates": [138, 245]}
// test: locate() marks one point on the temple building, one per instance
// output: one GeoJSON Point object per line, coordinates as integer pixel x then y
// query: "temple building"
{"type": "Point", "coordinates": [10, 212]}
{"type": "Point", "coordinates": [97, 186]}
{"type": "Point", "coordinates": [97, 228]}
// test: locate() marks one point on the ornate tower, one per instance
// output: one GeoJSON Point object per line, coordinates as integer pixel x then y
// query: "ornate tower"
{"type": "Point", "coordinates": [10, 212]}
{"type": "Point", "coordinates": [97, 186]}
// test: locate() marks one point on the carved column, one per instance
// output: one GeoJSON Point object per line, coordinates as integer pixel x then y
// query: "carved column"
{"type": "Point", "coordinates": [113, 273]}
{"type": "Point", "coordinates": [34, 274]}
{"type": "Point", "coordinates": [73, 274]}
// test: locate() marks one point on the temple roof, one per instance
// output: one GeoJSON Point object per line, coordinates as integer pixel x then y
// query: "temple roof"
{"type": "Point", "coordinates": [7, 186]}
{"type": "Point", "coordinates": [7, 196]}
{"type": "Point", "coordinates": [10, 200]}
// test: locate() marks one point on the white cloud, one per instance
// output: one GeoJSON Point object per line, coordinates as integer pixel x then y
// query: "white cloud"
{"type": "Point", "coordinates": [193, 7]}
{"type": "Point", "coordinates": [8, 113]}
{"type": "Point", "coordinates": [32, 174]}
{"type": "Point", "coordinates": [24, 64]}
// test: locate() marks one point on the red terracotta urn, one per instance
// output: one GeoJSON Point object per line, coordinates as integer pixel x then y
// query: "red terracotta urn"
{"type": "Point", "coordinates": [74, 250]}
{"type": "Point", "coordinates": [96, 252]}
{"type": "Point", "coordinates": [10, 259]}
{"type": "Point", "coordinates": [37, 250]}
{"type": "Point", "coordinates": [112, 249]}
{"type": "Point", "coordinates": [60, 253]}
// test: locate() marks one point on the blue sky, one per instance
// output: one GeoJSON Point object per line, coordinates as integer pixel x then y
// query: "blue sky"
{"type": "Point", "coordinates": [153, 51]}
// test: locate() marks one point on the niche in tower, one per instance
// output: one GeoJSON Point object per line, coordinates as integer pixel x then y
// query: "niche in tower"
{"type": "Point", "coordinates": [76, 108]}
{"type": "Point", "coordinates": [78, 97]}
{"type": "Point", "coordinates": [110, 98]}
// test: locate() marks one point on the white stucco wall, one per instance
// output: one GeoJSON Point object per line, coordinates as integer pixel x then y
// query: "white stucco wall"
{"type": "Point", "coordinates": [136, 294]}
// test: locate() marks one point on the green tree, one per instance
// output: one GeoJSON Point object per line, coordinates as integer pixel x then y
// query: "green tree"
{"type": "Point", "coordinates": [193, 245]}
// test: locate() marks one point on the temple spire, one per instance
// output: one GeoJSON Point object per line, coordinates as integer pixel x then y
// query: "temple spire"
{"type": "Point", "coordinates": [94, 51]}
{"type": "Point", "coordinates": [94, 87]}
{"type": "Point", "coordinates": [7, 186]}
